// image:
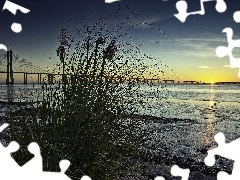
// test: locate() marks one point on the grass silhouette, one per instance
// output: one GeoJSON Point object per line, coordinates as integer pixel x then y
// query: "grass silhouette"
{"type": "Point", "coordinates": [87, 117]}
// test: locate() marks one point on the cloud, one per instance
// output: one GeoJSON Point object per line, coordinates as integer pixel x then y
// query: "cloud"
{"type": "Point", "coordinates": [198, 47]}
{"type": "Point", "coordinates": [205, 67]}
{"type": "Point", "coordinates": [213, 38]}
{"type": "Point", "coordinates": [146, 21]}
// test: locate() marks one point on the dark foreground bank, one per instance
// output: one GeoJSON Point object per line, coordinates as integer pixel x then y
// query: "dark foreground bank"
{"type": "Point", "coordinates": [172, 141]}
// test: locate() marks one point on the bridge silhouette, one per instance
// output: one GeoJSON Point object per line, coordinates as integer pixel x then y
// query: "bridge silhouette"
{"type": "Point", "coordinates": [40, 80]}
{"type": "Point", "coordinates": [51, 77]}
{"type": "Point", "coordinates": [10, 72]}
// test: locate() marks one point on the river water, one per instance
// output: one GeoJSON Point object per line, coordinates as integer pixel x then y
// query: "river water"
{"type": "Point", "coordinates": [209, 109]}
{"type": "Point", "coordinates": [183, 101]}
{"type": "Point", "coordinates": [216, 107]}
{"type": "Point", "coordinates": [196, 102]}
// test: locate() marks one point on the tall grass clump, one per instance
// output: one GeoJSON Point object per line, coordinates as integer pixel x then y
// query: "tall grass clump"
{"type": "Point", "coordinates": [86, 117]}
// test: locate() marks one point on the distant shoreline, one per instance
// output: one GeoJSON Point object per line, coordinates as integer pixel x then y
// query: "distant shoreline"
{"type": "Point", "coordinates": [182, 83]}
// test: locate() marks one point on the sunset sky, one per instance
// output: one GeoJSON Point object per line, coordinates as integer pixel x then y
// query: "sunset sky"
{"type": "Point", "coordinates": [188, 48]}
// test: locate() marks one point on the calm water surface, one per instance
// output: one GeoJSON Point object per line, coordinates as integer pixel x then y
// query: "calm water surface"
{"type": "Point", "coordinates": [195, 102]}
{"type": "Point", "coordinates": [210, 108]}
{"type": "Point", "coordinates": [190, 101]}
{"type": "Point", "coordinates": [215, 107]}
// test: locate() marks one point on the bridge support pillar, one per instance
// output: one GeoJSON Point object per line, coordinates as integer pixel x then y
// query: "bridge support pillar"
{"type": "Point", "coordinates": [39, 78]}
{"type": "Point", "coordinates": [10, 79]}
{"type": "Point", "coordinates": [7, 80]}
{"type": "Point", "coordinates": [25, 78]}
{"type": "Point", "coordinates": [50, 78]}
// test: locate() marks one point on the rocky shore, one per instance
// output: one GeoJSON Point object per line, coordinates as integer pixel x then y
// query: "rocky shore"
{"type": "Point", "coordinates": [173, 141]}
{"type": "Point", "coordinates": [183, 143]}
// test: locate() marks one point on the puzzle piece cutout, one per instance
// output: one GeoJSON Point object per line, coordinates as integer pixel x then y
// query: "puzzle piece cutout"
{"type": "Point", "coordinates": [227, 150]}
{"type": "Point", "coordinates": [16, 27]}
{"type": "Point", "coordinates": [222, 51]}
{"type": "Point", "coordinates": [182, 7]}
{"type": "Point", "coordinates": [2, 46]}
{"type": "Point", "coordinates": [111, 1]}
{"type": "Point", "coordinates": [7, 163]}
{"type": "Point", "coordinates": [177, 171]}
{"type": "Point", "coordinates": [159, 178]}
{"type": "Point", "coordinates": [32, 169]}
{"type": "Point", "coordinates": [12, 7]}
{"type": "Point", "coordinates": [236, 16]}
{"type": "Point", "coordinates": [35, 165]}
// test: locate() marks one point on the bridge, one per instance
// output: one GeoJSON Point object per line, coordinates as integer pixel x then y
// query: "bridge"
{"type": "Point", "coordinates": [52, 77]}
{"type": "Point", "coordinates": [40, 80]}
{"type": "Point", "coordinates": [190, 82]}
{"type": "Point", "coordinates": [227, 83]}
{"type": "Point", "coordinates": [10, 79]}
{"type": "Point", "coordinates": [10, 73]}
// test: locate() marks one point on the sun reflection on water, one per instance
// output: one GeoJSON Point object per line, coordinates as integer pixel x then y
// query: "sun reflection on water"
{"type": "Point", "coordinates": [209, 130]}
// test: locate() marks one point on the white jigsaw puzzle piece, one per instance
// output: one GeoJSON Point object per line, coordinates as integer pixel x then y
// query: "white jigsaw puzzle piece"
{"type": "Point", "coordinates": [177, 171]}
{"type": "Point", "coordinates": [222, 51]}
{"type": "Point", "coordinates": [226, 150]}
{"type": "Point", "coordinates": [2, 46]}
{"type": "Point", "coordinates": [86, 178]}
{"type": "Point", "coordinates": [3, 126]}
{"type": "Point", "coordinates": [236, 16]}
{"type": "Point", "coordinates": [34, 165]}
{"type": "Point", "coordinates": [111, 1]}
{"type": "Point", "coordinates": [7, 163]}
{"type": "Point", "coordinates": [12, 7]}
{"type": "Point", "coordinates": [182, 7]}
{"type": "Point", "coordinates": [159, 178]}
{"type": "Point", "coordinates": [31, 170]}
{"type": "Point", "coordinates": [16, 27]}
{"type": "Point", "coordinates": [64, 164]}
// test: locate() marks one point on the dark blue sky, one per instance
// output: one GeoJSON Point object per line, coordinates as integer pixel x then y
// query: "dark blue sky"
{"type": "Point", "coordinates": [188, 48]}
